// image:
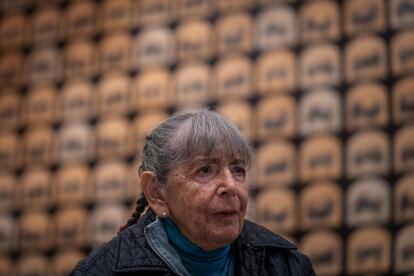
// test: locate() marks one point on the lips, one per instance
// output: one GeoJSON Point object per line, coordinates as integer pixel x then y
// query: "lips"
{"type": "Point", "coordinates": [226, 213]}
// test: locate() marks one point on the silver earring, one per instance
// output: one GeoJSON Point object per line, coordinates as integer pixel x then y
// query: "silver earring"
{"type": "Point", "coordinates": [164, 214]}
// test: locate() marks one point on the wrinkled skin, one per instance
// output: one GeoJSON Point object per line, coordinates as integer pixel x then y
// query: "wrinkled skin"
{"type": "Point", "coordinates": [207, 200]}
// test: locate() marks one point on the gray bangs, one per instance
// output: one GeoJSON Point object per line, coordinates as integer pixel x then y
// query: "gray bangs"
{"type": "Point", "coordinates": [207, 132]}
{"type": "Point", "coordinates": [183, 137]}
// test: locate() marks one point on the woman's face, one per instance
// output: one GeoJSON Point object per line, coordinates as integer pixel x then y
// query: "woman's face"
{"type": "Point", "coordinates": [207, 200]}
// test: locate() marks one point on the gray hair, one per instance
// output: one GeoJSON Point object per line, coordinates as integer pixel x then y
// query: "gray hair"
{"type": "Point", "coordinates": [184, 136]}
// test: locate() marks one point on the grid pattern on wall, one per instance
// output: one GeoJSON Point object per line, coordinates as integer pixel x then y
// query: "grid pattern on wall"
{"type": "Point", "coordinates": [322, 88]}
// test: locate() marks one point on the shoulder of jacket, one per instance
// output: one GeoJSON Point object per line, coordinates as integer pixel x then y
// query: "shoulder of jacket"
{"type": "Point", "coordinates": [302, 262]}
{"type": "Point", "coordinates": [119, 253]}
{"type": "Point", "coordinates": [100, 258]}
{"type": "Point", "coordinates": [257, 235]}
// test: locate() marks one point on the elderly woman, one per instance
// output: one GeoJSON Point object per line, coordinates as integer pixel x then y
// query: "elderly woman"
{"type": "Point", "coordinates": [190, 219]}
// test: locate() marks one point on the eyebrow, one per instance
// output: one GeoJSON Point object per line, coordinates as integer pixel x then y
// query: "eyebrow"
{"type": "Point", "coordinates": [238, 162]}
{"type": "Point", "coordinates": [205, 159]}
{"type": "Point", "coordinates": [215, 160]}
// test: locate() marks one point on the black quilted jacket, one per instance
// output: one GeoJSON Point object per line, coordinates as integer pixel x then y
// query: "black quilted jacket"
{"type": "Point", "coordinates": [256, 251]}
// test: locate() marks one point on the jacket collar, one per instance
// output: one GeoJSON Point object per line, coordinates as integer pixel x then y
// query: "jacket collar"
{"type": "Point", "coordinates": [135, 254]}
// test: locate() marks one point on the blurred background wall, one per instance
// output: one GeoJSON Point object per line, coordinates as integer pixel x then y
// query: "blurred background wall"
{"type": "Point", "coordinates": [324, 89]}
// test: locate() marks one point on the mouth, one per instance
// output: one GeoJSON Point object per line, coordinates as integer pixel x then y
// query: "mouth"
{"type": "Point", "coordinates": [229, 213]}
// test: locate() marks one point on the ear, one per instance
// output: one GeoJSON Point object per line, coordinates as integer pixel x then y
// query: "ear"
{"type": "Point", "coordinates": [153, 192]}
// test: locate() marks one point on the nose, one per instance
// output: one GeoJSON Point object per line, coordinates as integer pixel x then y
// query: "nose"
{"type": "Point", "coordinates": [227, 184]}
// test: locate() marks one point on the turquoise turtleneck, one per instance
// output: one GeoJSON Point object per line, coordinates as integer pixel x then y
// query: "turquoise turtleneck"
{"type": "Point", "coordinates": [196, 260]}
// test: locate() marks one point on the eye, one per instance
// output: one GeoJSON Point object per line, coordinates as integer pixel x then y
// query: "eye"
{"type": "Point", "coordinates": [204, 170]}
{"type": "Point", "coordinates": [238, 170]}
{"type": "Point", "coordinates": [205, 173]}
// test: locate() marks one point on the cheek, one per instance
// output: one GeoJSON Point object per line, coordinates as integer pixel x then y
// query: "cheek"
{"type": "Point", "coordinates": [194, 212]}
{"type": "Point", "coordinates": [190, 199]}
{"type": "Point", "coordinates": [243, 196]}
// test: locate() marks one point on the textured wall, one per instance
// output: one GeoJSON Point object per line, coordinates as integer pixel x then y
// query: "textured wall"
{"type": "Point", "coordinates": [322, 88]}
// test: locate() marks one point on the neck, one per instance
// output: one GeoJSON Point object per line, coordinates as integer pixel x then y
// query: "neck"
{"type": "Point", "coordinates": [195, 258]}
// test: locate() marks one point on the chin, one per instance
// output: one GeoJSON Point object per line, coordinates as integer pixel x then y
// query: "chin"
{"type": "Point", "coordinates": [227, 236]}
